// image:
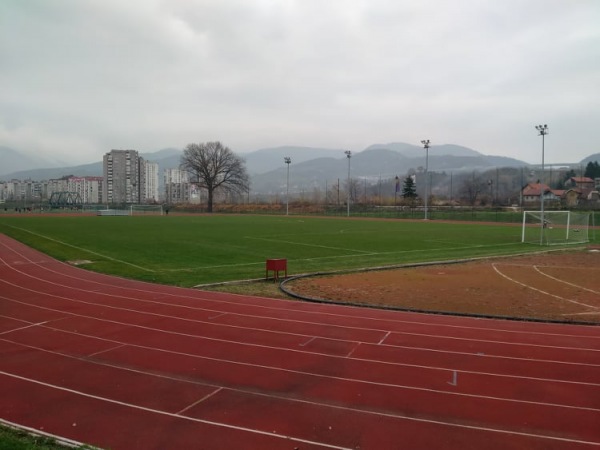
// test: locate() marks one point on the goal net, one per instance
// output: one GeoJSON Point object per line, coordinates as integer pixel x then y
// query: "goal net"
{"type": "Point", "coordinates": [555, 227]}
{"type": "Point", "coordinates": [136, 210]}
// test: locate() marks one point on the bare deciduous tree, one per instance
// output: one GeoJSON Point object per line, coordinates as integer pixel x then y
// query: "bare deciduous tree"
{"type": "Point", "coordinates": [354, 187]}
{"type": "Point", "coordinates": [471, 188]}
{"type": "Point", "coordinates": [213, 166]}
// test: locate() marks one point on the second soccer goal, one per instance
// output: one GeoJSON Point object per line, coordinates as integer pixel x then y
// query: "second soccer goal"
{"type": "Point", "coordinates": [555, 227]}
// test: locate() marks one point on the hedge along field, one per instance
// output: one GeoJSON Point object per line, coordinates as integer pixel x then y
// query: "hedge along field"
{"type": "Point", "coordinates": [192, 250]}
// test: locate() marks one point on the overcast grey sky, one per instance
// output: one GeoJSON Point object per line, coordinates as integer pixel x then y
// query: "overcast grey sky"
{"type": "Point", "coordinates": [80, 77]}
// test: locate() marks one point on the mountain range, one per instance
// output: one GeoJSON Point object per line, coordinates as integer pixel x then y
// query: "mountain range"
{"type": "Point", "coordinates": [309, 166]}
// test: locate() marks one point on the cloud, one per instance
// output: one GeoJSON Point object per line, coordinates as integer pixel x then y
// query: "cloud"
{"type": "Point", "coordinates": [86, 77]}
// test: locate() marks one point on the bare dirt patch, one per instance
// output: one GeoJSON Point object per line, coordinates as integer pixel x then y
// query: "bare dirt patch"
{"type": "Point", "coordinates": [561, 286]}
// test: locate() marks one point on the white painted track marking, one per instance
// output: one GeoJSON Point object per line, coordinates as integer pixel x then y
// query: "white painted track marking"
{"type": "Point", "coordinates": [407, 418]}
{"type": "Point", "coordinates": [287, 309]}
{"type": "Point", "coordinates": [539, 290]}
{"type": "Point", "coordinates": [537, 268]}
{"type": "Point", "coordinates": [174, 415]}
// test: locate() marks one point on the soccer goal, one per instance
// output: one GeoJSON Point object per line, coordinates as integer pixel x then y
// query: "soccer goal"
{"type": "Point", "coordinates": [136, 210]}
{"type": "Point", "coordinates": [555, 227]}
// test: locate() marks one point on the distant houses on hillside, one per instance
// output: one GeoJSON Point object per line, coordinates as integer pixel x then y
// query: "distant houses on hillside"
{"type": "Point", "coordinates": [578, 190]}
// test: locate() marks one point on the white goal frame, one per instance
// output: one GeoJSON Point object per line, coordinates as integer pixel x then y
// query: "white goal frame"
{"type": "Point", "coordinates": [555, 227]}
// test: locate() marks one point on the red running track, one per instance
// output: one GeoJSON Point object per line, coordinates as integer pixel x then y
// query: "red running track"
{"type": "Point", "coordinates": [123, 364]}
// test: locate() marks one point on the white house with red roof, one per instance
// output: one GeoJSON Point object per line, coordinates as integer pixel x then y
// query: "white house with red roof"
{"type": "Point", "coordinates": [532, 193]}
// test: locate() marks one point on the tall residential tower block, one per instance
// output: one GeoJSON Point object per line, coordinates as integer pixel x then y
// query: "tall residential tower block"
{"type": "Point", "coordinates": [124, 177]}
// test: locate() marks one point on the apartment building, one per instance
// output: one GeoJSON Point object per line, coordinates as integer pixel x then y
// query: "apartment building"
{"type": "Point", "coordinates": [88, 188]}
{"type": "Point", "coordinates": [177, 186]}
{"type": "Point", "coordinates": [23, 191]}
{"type": "Point", "coordinates": [151, 176]}
{"type": "Point", "coordinates": [124, 177]}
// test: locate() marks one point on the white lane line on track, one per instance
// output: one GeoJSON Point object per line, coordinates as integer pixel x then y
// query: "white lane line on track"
{"type": "Point", "coordinates": [165, 413]}
{"type": "Point", "coordinates": [284, 308]}
{"type": "Point", "coordinates": [351, 352]}
{"type": "Point", "coordinates": [384, 338]}
{"type": "Point", "coordinates": [31, 325]}
{"type": "Point", "coordinates": [541, 291]}
{"type": "Point", "coordinates": [249, 392]}
{"type": "Point", "coordinates": [267, 330]}
{"type": "Point", "coordinates": [537, 268]}
{"type": "Point", "coordinates": [223, 425]}
{"type": "Point", "coordinates": [304, 344]}
{"type": "Point", "coordinates": [351, 380]}
{"type": "Point", "coordinates": [116, 347]}
{"type": "Point", "coordinates": [316, 353]}
{"type": "Point", "coordinates": [217, 316]}
{"type": "Point", "coordinates": [206, 397]}
{"type": "Point", "coordinates": [152, 314]}
{"type": "Point", "coordinates": [508, 358]}
{"type": "Point", "coordinates": [487, 355]}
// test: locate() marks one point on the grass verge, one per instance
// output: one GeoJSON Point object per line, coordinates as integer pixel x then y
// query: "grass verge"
{"type": "Point", "coordinates": [16, 439]}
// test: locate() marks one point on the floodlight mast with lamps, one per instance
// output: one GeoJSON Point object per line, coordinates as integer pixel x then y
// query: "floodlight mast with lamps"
{"type": "Point", "coordinates": [426, 143]}
{"type": "Point", "coordinates": [287, 160]}
{"type": "Point", "coordinates": [542, 131]}
{"type": "Point", "coordinates": [348, 155]}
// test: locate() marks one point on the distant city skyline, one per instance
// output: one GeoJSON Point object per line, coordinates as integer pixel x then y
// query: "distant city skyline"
{"type": "Point", "coordinates": [81, 78]}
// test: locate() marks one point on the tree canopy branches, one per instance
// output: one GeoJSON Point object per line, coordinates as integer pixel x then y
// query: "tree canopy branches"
{"type": "Point", "coordinates": [214, 166]}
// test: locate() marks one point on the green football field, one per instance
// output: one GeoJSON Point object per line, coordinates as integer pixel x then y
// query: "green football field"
{"type": "Point", "coordinates": [192, 250]}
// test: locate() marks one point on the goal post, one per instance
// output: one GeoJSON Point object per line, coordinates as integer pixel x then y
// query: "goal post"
{"type": "Point", "coordinates": [136, 210]}
{"type": "Point", "coordinates": [555, 227]}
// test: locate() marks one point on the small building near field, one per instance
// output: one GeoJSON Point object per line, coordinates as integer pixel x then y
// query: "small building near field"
{"type": "Point", "coordinates": [580, 183]}
{"type": "Point", "coordinates": [532, 194]}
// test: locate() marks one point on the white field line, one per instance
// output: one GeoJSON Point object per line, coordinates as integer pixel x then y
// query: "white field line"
{"type": "Point", "coordinates": [337, 257]}
{"type": "Point", "coordinates": [539, 290]}
{"type": "Point", "coordinates": [285, 307]}
{"type": "Point", "coordinates": [565, 282]}
{"type": "Point", "coordinates": [554, 267]}
{"type": "Point", "coordinates": [302, 244]}
{"type": "Point", "coordinates": [589, 313]}
{"type": "Point", "coordinates": [218, 266]}
{"type": "Point", "coordinates": [84, 249]}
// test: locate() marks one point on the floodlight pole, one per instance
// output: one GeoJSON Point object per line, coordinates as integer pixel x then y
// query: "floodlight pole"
{"type": "Point", "coordinates": [542, 131]}
{"type": "Point", "coordinates": [287, 160]}
{"type": "Point", "coordinates": [348, 155]}
{"type": "Point", "coordinates": [426, 143]}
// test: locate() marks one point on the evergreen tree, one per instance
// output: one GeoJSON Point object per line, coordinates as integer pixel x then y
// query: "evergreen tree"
{"type": "Point", "coordinates": [409, 190]}
{"type": "Point", "coordinates": [592, 170]}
